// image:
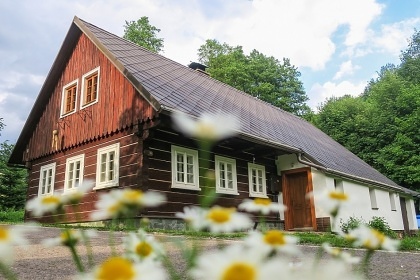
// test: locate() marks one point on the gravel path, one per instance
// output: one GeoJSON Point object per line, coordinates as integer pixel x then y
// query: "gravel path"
{"type": "Point", "coordinates": [37, 262]}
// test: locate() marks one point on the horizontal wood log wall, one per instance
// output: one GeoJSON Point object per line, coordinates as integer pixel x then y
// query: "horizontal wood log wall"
{"type": "Point", "coordinates": [119, 105]}
{"type": "Point", "coordinates": [159, 177]}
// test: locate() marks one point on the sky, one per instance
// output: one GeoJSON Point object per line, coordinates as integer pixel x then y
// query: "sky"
{"type": "Point", "coordinates": [337, 45]}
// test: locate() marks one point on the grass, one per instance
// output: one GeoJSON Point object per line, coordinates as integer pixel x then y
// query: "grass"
{"type": "Point", "coordinates": [12, 216]}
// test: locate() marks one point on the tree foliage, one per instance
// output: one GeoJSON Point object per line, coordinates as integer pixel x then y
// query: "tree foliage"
{"type": "Point", "coordinates": [142, 33]}
{"type": "Point", "coordinates": [267, 78]}
{"type": "Point", "coordinates": [12, 181]}
{"type": "Point", "coordinates": [382, 125]}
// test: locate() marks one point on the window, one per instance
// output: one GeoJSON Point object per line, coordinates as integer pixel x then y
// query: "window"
{"type": "Point", "coordinates": [257, 183]}
{"type": "Point", "coordinates": [107, 166]}
{"type": "Point", "coordinates": [68, 99]}
{"type": "Point", "coordinates": [226, 175]}
{"type": "Point", "coordinates": [46, 179]}
{"type": "Point", "coordinates": [338, 185]}
{"type": "Point", "coordinates": [373, 201]}
{"type": "Point", "coordinates": [74, 172]}
{"type": "Point", "coordinates": [90, 88]}
{"type": "Point", "coordinates": [392, 201]}
{"type": "Point", "coordinates": [185, 168]}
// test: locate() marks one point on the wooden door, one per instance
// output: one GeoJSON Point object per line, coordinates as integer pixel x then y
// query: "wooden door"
{"type": "Point", "coordinates": [300, 212]}
{"type": "Point", "coordinates": [404, 215]}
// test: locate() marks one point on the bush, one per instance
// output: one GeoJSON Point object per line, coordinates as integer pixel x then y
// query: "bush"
{"type": "Point", "coordinates": [381, 225]}
{"type": "Point", "coordinates": [351, 224]}
{"type": "Point", "coordinates": [12, 216]}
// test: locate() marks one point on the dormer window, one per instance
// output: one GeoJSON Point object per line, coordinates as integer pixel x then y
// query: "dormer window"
{"type": "Point", "coordinates": [68, 100]}
{"type": "Point", "coordinates": [90, 88]}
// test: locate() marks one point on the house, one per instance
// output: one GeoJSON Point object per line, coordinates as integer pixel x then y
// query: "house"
{"type": "Point", "coordinates": [104, 113]}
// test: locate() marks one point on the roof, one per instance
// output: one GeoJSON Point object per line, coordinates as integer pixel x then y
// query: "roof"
{"type": "Point", "coordinates": [170, 86]}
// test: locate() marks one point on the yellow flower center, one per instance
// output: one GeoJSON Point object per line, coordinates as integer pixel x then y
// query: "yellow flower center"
{"type": "Point", "coordinates": [240, 271]}
{"type": "Point", "coordinates": [220, 215]}
{"type": "Point", "coordinates": [116, 268]}
{"type": "Point", "coordinates": [274, 237]}
{"type": "Point", "coordinates": [335, 252]}
{"type": "Point", "coordinates": [338, 196]}
{"type": "Point", "coordinates": [144, 249]}
{"type": "Point", "coordinates": [262, 201]}
{"type": "Point", "coordinates": [379, 236]}
{"type": "Point", "coordinates": [4, 234]}
{"type": "Point", "coordinates": [206, 130]}
{"type": "Point", "coordinates": [132, 195]}
{"type": "Point", "coordinates": [50, 200]}
{"type": "Point", "coordinates": [115, 208]}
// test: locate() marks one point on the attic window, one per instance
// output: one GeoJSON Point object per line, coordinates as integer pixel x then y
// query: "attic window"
{"type": "Point", "coordinates": [90, 88]}
{"type": "Point", "coordinates": [68, 99]}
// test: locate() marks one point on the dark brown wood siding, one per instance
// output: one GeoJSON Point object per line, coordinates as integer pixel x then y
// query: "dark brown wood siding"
{"type": "Point", "coordinates": [129, 164]}
{"type": "Point", "coordinates": [119, 105]}
{"type": "Point", "coordinates": [159, 174]}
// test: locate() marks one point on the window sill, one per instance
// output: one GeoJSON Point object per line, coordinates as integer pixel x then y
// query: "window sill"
{"type": "Point", "coordinates": [185, 187]}
{"type": "Point", "coordinates": [258, 195]}
{"type": "Point", "coordinates": [227, 192]}
{"type": "Point", "coordinates": [375, 208]}
{"type": "Point", "coordinates": [105, 186]}
{"type": "Point", "coordinates": [67, 114]}
{"type": "Point", "coordinates": [84, 106]}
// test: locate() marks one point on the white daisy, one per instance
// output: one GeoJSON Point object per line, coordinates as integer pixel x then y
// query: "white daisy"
{"type": "Point", "coordinates": [327, 270]}
{"type": "Point", "coordinates": [118, 268]}
{"type": "Point", "coordinates": [43, 204]}
{"type": "Point", "coordinates": [220, 219]}
{"type": "Point", "coordinates": [194, 216]}
{"type": "Point", "coordinates": [273, 241]}
{"type": "Point", "coordinates": [237, 262]}
{"type": "Point", "coordinates": [261, 205]}
{"type": "Point", "coordinates": [332, 201]}
{"type": "Point", "coordinates": [139, 246]}
{"type": "Point", "coordinates": [371, 239]}
{"type": "Point", "coordinates": [340, 254]}
{"type": "Point", "coordinates": [69, 237]}
{"type": "Point", "coordinates": [11, 236]}
{"type": "Point", "coordinates": [75, 195]}
{"type": "Point", "coordinates": [118, 203]}
{"type": "Point", "coordinates": [210, 127]}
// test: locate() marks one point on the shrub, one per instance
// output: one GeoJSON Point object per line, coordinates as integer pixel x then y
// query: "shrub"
{"type": "Point", "coordinates": [352, 223]}
{"type": "Point", "coordinates": [381, 225]}
{"type": "Point", "coordinates": [12, 216]}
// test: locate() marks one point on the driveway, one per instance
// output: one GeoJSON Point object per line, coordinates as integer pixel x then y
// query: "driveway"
{"type": "Point", "coordinates": [38, 262]}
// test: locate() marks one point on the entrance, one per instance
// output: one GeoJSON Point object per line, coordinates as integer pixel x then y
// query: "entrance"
{"type": "Point", "coordinates": [300, 213]}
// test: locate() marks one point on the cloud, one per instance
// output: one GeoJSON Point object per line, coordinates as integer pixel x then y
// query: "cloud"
{"type": "Point", "coordinates": [346, 69]}
{"type": "Point", "coordinates": [319, 93]}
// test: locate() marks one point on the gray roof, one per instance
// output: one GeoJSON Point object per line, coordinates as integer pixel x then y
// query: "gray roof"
{"type": "Point", "coordinates": [171, 86]}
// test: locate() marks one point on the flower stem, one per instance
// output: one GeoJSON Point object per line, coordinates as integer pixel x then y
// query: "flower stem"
{"type": "Point", "coordinates": [7, 272]}
{"type": "Point", "coordinates": [366, 261]}
{"type": "Point", "coordinates": [76, 258]}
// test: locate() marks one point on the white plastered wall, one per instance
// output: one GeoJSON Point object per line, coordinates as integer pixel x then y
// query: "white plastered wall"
{"type": "Point", "coordinates": [360, 206]}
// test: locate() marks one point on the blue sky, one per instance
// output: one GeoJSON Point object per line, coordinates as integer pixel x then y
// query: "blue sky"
{"type": "Point", "coordinates": [338, 45]}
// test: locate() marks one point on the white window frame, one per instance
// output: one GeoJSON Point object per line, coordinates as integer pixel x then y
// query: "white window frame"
{"type": "Point", "coordinates": [108, 182]}
{"type": "Point", "coordinates": [373, 201]}
{"type": "Point", "coordinates": [84, 78]}
{"type": "Point", "coordinates": [258, 168]}
{"type": "Point", "coordinates": [46, 168]}
{"type": "Point", "coordinates": [392, 201]}
{"type": "Point", "coordinates": [71, 174]}
{"type": "Point", "coordinates": [225, 161]}
{"type": "Point", "coordinates": [175, 150]}
{"type": "Point", "coordinates": [64, 97]}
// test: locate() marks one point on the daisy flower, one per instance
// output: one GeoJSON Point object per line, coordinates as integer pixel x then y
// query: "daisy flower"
{"type": "Point", "coordinates": [327, 270]}
{"type": "Point", "coordinates": [43, 204]}
{"type": "Point", "coordinates": [220, 219]}
{"type": "Point", "coordinates": [118, 203]}
{"type": "Point", "coordinates": [237, 262]}
{"type": "Point", "coordinates": [340, 254]}
{"type": "Point", "coordinates": [75, 195]}
{"type": "Point", "coordinates": [261, 205]}
{"type": "Point", "coordinates": [371, 239]}
{"type": "Point", "coordinates": [332, 201]}
{"type": "Point", "coordinates": [273, 241]}
{"type": "Point", "coordinates": [194, 217]}
{"type": "Point", "coordinates": [11, 236]}
{"type": "Point", "coordinates": [69, 237]}
{"type": "Point", "coordinates": [139, 246]}
{"type": "Point", "coordinates": [118, 268]}
{"type": "Point", "coordinates": [212, 127]}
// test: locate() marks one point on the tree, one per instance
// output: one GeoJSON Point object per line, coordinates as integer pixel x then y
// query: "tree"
{"type": "Point", "coordinates": [410, 59]}
{"type": "Point", "coordinates": [12, 181]}
{"type": "Point", "coordinates": [142, 33]}
{"type": "Point", "coordinates": [267, 78]}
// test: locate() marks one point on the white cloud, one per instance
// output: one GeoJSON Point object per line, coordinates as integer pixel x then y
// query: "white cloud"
{"type": "Point", "coordinates": [346, 69]}
{"type": "Point", "coordinates": [319, 93]}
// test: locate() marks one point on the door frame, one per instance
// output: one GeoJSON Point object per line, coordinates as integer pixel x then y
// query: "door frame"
{"type": "Point", "coordinates": [288, 217]}
{"type": "Point", "coordinates": [404, 214]}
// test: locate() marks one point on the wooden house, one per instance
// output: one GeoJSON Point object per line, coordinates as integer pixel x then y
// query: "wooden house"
{"type": "Point", "coordinates": [104, 113]}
